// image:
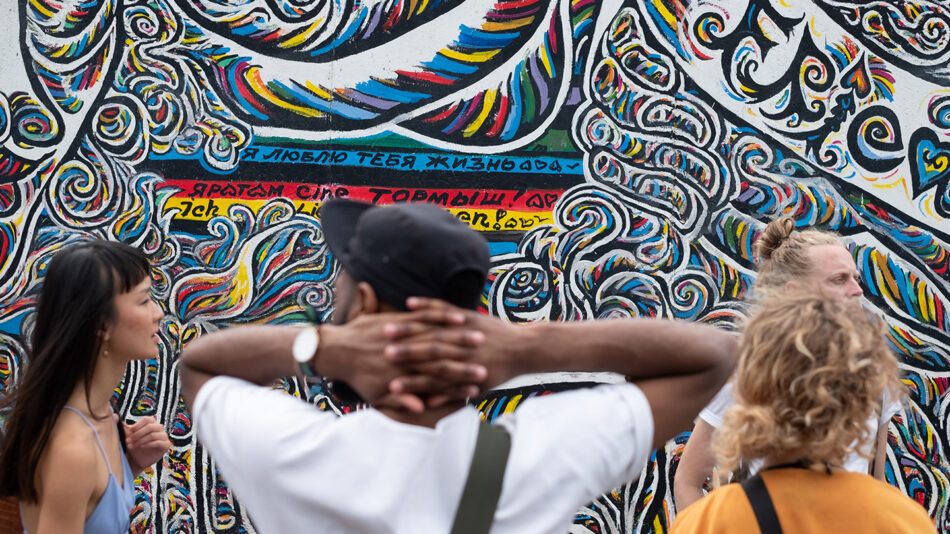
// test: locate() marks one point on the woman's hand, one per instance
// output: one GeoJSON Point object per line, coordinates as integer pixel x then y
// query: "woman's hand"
{"type": "Point", "coordinates": [145, 442]}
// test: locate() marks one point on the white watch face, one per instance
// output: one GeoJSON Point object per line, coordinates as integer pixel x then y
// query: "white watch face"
{"type": "Point", "coordinates": [305, 345]}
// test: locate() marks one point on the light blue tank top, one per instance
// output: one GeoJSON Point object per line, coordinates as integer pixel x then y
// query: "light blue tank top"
{"type": "Point", "coordinates": [111, 515]}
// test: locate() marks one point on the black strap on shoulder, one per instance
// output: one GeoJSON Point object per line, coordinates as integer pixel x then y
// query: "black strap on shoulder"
{"type": "Point", "coordinates": [762, 506]}
{"type": "Point", "coordinates": [476, 510]}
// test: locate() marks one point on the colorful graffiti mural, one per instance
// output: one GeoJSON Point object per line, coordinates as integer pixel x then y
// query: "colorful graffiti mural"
{"type": "Point", "coordinates": [619, 155]}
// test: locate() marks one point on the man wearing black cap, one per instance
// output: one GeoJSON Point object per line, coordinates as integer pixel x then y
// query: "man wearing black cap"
{"type": "Point", "coordinates": [403, 467]}
{"type": "Point", "coordinates": [405, 250]}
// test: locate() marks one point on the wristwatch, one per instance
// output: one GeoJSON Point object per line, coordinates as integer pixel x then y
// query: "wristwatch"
{"type": "Point", "coordinates": [305, 348]}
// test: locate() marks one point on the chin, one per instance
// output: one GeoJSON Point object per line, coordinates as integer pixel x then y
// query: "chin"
{"type": "Point", "coordinates": [148, 355]}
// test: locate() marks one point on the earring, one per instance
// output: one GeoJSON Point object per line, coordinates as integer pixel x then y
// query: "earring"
{"type": "Point", "coordinates": [105, 352]}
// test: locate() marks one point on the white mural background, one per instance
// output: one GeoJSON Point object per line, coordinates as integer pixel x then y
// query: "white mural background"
{"type": "Point", "coordinates": [620, 156]}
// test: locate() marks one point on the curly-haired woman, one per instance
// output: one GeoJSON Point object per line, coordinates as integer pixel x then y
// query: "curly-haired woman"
{"type": "Point", "coordinates": [789, 259]}
{"type": "Point", "coordinates": [811, 371]}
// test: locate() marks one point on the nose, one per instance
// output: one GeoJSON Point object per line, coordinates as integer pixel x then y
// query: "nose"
{"type": "Point", "coordinates": [158, 313]}
{"type": "Point", "coordinates": [854, 288]}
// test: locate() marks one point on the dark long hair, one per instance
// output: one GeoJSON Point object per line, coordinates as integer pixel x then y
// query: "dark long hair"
{"type": "Point", "coordinates": [76, 302]}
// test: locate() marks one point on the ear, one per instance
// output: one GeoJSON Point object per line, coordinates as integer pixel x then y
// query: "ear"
{"type": "Point", "coordinates": [364, 303]}
{"type": "Point", "coordinates": [791, 286]}
{"type": "Point", "coordinates": [105, 332]}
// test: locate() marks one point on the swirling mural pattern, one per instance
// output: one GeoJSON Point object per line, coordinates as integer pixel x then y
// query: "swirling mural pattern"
{"type": "Point", "coordinates": [621, 157]}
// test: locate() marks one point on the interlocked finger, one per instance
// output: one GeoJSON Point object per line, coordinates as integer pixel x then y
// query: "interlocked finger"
{"type": "Point", "coordinates": [437, 345]}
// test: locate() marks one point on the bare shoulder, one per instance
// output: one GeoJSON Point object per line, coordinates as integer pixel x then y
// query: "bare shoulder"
{"type": "Point", "coordinates": [71, 458]}
{"type": "Point", "coordinates": [68, 478]}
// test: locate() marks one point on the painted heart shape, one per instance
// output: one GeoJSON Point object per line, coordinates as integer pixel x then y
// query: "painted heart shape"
{"type": "Point", "coordinates": [858, 78]}
{"type": "Point", "coordinates": [931, 167]}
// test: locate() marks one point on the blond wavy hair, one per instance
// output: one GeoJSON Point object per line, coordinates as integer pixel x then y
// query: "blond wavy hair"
{"type": "Point", "coordinates": [781, 252]}
{"type": "Point", "coordinates": [811, 372]}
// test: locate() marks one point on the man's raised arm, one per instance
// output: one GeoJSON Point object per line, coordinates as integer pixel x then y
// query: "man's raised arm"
{"type": "Point", "coordinates": [352, 352]}
{"type": "Point", "coordinates": [678, 365]}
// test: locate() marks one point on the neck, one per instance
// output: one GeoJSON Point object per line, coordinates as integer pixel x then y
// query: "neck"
{"type": "Point", "coordinates": [98, 391]}
{"type": "Point", "coordinates": [427, 418]}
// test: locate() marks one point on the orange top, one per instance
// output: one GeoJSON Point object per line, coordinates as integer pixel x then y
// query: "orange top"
{"type": "Point", "coordinates": [810, 501]}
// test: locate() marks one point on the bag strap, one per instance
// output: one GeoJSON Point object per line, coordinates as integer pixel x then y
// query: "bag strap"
{"type": "Point", "coordinates": [762, 506]}
{"type": "Point", "coordinates": [476, 511]}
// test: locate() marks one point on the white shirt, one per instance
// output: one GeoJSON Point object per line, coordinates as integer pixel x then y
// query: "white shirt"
{"type": "Point", "coordinates": [854, 462]}
{"type": "Point", "coordinates": [298, 469]}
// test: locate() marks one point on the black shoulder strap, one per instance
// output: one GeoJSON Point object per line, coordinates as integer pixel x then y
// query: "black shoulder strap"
{"type": "Point", "coordinates": [476, 510]}
{"type": "Point", "coordinates": [762, 506]}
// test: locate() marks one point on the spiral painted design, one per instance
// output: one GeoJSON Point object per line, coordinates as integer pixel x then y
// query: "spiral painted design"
{"type": "Point", "coordinates": [522, 292]}
{"type": "Point", "coordinates": [939, 112]}
{"type": "Point", "coordinates": [624, 294]}
{"type": "Point", "coordinates": [257, 275]}
{"type": "Point", "coordinates": [875, 137]}
{"type": "Point", "coordinates": [35, 126]}
{"type": "Point", "coordinates": [119, 131]}
{"type": "Point", "coordinates": [692, 294]}
{"type": "Point", "coordinates": [11, 364]}
{"type": "Point", "coordinates": [147, 24]}
{"type": "Point", "coordinates": [84, 192]}
{"type": "Point", "coordinates": [905, 33]}
{"type": "Point", "coordinates": [692, 139]}
{"type": "Point", "coordinates": [5, 118]}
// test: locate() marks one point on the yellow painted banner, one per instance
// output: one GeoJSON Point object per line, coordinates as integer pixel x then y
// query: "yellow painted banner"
{"type": "Point", "coordinates": [488, 220]}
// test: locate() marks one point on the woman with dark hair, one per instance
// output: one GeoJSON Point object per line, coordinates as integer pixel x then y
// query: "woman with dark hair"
{"type": "Point", "coordinates": [61, 454]}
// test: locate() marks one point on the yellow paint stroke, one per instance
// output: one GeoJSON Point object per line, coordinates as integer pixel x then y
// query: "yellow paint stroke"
{"type": "Point", "coordinates": [513, 403]}
{"type": "Point", "coordinates": [887, 276]}
{"type": "Point", "coordinates": [487, 106]}
{"type": "Point", "coordinates": [486, 220]}
{"type": "Point", "coordinates": [667, 15]}
{"type": "Point", "coordinates": [62, 51]}
{"type": "Point", "coordinates": [39, 7]}
{"type": "Point", "coordinates": [471, 57]}
{"type": "Point", "coordinates": [922, 303]}
{"type": "Point", "coordinates": [302, 37]}
{"type": "Point", "coordinates": [546, 60]}
{"type": "Point", "coordinates": [318, 91]}
{"type": "Point", "coordinates": [237, 16]}
{"type": "Point", "coordinates": [253, 77]}
{"type": "Point", "coordinates": [880, 183]}
{"type": "Point", "coordinates": [135, 61]}
{"type": "Point", "coordinates": [811, 28]}
{"type": "Point", "coordinates": [927, 202]}
{"type": "Point", "coordinates": [510, 25]}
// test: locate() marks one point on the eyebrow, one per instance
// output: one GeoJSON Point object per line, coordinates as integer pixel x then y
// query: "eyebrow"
{"type": "Point", "coordinates": [856, 273]}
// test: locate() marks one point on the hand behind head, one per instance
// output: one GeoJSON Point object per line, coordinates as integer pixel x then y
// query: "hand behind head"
{"type": "Point", "coordinates": [438, 362]}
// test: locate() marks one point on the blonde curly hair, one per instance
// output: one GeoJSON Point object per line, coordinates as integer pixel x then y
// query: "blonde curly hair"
{"type": "Point", "coordinates": [781, 252]}
{"type": "Point", "coordinates": [811, 372]}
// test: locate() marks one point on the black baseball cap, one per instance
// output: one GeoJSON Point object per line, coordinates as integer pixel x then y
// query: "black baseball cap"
{"type": "Point", "coordinates": [406, 250]}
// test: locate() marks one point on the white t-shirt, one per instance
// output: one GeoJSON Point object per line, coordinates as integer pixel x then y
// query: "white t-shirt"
{"type": "Point", "coordinates": [298, 469]}
{"type": "Point", "coordinates": [717, 407]}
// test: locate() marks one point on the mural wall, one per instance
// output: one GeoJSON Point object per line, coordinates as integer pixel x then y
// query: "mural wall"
{"type": "Point", "coordinates": [621, 157]}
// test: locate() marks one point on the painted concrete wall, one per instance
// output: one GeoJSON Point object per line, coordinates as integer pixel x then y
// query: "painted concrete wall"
{"type": "Point", "coordinates": [621, 156]}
